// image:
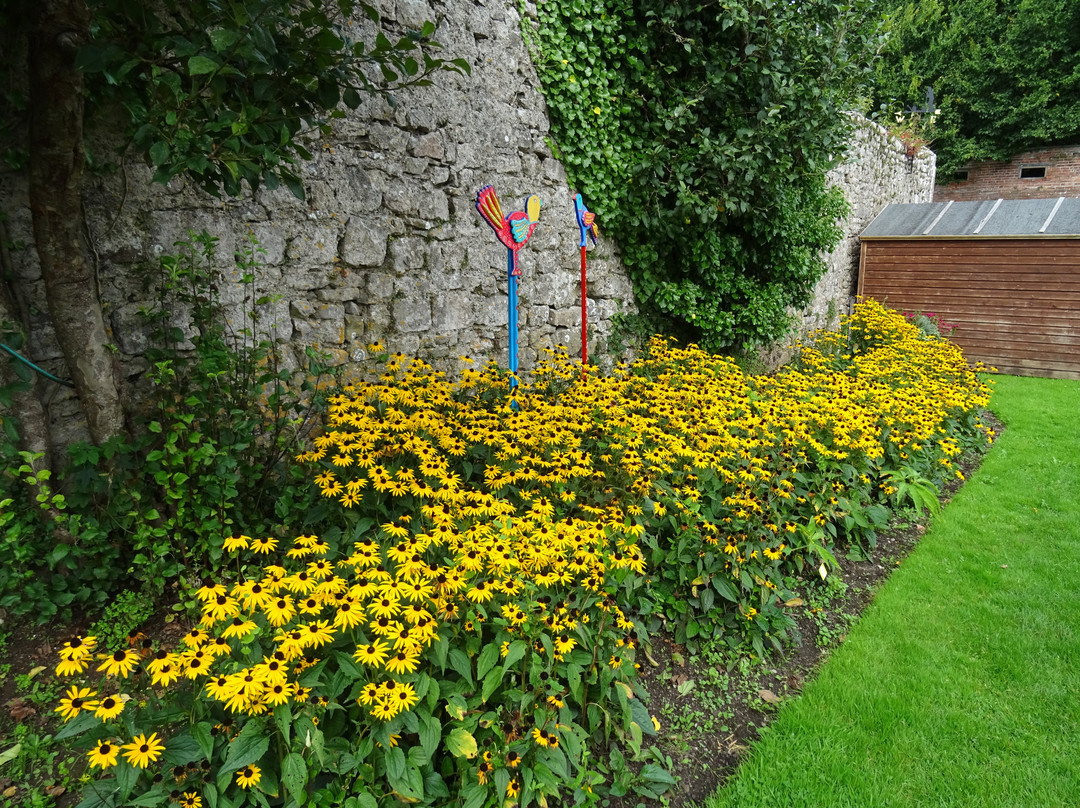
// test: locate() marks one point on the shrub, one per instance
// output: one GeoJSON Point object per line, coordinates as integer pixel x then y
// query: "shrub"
{"type": "Point", "coordinates": [211, 454]}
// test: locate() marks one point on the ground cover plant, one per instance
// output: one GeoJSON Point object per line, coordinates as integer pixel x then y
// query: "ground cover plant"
{"type": "Point", "coordinates": [463, 626]}
{"type": "Point", "coordinates": [959, 685]}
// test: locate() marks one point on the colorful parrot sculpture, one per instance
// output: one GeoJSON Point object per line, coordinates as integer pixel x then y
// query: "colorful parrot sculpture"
{"type": "Point", "coordinates": [514, 232]}
{"type": "Point", "coordinates": [586, 221]}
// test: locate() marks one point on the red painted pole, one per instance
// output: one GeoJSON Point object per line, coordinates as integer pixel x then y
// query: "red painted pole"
{"type": "Point", "coordinates": [584, 315]}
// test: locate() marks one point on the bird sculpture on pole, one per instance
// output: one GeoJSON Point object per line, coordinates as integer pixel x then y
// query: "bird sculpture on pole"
{"type": "Point", "coordinates": [586, 221]}
{"type": "Point", "coordinates": [513, 232]}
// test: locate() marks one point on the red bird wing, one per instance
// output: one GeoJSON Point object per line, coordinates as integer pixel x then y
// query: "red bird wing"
{"type": "Point", "coordinates": [487, 205]}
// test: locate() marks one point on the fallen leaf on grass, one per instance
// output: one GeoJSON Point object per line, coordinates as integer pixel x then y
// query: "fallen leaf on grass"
{"type": "Point", "coordinates": [10, 792]}
{"type": "Point", "coordinates": [769, 697]}
{"type": "Point", "coordinates": [55, 791]}
{"type": "Point", "coordinates": [793, 602]}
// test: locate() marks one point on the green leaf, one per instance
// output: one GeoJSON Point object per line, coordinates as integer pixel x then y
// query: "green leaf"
{"type": "Point", "coordinates": [201, 65]}
{"type": "Point", "coordinates": [515, 652]}
{"type": "Point", "coordinates": [294, 776]}
{"type": "Point", "coordinates": [491, 684]}
{"type": "Point", "coordinates": [461, 743]}
{"type": "Point", "coordinates": [159, 153]}
{"type": "Point", "coordinates": [395, 763]}
{"type": "Point", "coordinates": [430, 734]}
{"type": "Point", "coordinates": [203, 737]}
{"type": "Point", "coordinates": [79, 724]}
{"type": "Point", "coordinates": [460, 663]}
{"type": "Point", "coordinates": [247, 748]}
{"type": "Point", "coordinates": [181, 749]}
{"type": "Point", "coordinates": [223, 38]}
{"type": "Point", "coordinates": [487, 659]}
{"type": "Point", "coordinates": [283, 720]}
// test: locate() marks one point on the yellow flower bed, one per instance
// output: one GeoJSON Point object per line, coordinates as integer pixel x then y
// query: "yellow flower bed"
{"type": "Point", "coordinates": [464, 623]}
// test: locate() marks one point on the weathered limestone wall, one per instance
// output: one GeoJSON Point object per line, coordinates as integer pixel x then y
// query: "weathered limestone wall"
{"type": "Point", "coordinates": [876, 172]}
{"type": "Point", "coordinates": [388, 245]}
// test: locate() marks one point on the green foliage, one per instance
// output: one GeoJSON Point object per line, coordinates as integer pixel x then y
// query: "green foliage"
{"type": "Point", "coordinates": [700, 134]}
{"type": "Point", "coordinates": [213, 457]}
{"type": "Point", "coordinates": [122, 619]}
{"type": "Point", "coordinates": [1006, 73]}
{"type": "Point", "coordinates": [226, 92]}
{"type": "Point", "coordinates": [224, 420]}
{"type": "Point", "coordinates": [53, 558]}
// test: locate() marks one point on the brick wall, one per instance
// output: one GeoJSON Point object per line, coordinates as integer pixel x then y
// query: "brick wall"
{"type": "Point", "coordinates": [1002, 180]}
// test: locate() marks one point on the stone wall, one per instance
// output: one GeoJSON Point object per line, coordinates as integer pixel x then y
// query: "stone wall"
{"type": "Point", "coordinates": [388, 245]}
{"type": "Point", "coordinates": [875, 172]}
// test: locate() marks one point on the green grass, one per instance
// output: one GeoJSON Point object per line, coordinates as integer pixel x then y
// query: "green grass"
{"type": "Point", "coordinates": [960, 686]}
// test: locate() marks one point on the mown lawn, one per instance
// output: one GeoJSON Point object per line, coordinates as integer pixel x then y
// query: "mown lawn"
{"type": "Point", "coordinates": [961, 683]}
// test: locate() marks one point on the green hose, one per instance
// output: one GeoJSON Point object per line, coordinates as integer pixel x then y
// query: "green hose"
{"type": "Point", "coordinates": [26, 361]}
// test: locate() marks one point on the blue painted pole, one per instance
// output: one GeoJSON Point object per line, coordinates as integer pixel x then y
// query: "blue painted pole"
{"type": "Point", "coordinates": [512, 315]}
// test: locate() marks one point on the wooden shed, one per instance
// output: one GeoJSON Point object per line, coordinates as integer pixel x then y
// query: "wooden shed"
{"type": "Point", "coordinates": [1006, 273]}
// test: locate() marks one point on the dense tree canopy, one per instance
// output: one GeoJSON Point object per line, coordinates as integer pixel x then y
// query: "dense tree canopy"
{"type": "Point", "coordinates": [1006, 73]}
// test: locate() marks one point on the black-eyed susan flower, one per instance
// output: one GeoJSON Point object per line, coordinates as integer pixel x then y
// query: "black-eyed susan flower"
{"type": "Point", "coordinates": [280, 611]}
{"type": "Point", "coordinates": [234, 543]}
{"type": "Point", "coordinates": [103, 754]}
{"type": "Point", "coordinates": [109, 707]}
{"type": "Point", "coordinates": [71, 667]}
{"type": "Point", "coordinates": [142, 751]}
{"type": "Point", "coordinates": [239, 628]}
{"type": "Point", "coordinates": [264, 545]}
{"type": "Point", "coordinates": [248, 776]}
{"type": "Point", "coordinates": [196, 637]}
{"type": "Point", "coordinates": [349, 615]}
{"type": "Point", "coordinates": [119, 663]}
{"type": "Point", "coordinates": [404, 661]}
{"type": "Point", "coordinates": [75, 701]}
{"type": "Point", "coordinates": [372, 654]}
{"type": "Point", "coordinates": [78, 647]}
{"type": "Point", "coordinates": [404, 697]}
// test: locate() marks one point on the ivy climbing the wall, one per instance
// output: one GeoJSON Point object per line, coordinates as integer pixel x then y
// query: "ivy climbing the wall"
{"type": "Point", "coordinates": [700, 133]}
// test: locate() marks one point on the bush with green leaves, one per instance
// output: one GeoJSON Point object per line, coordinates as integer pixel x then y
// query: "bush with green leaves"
{"type": "Point", "coordinates": [212, 455]}
{"type": "Point", "coordinates": [700, 135]}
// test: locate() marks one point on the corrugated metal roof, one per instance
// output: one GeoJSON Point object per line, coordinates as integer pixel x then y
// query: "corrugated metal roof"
{"type": "Point", "coordinates": [1001, 218]}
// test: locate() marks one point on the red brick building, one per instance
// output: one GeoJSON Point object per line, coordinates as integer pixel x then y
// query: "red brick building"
{"type": "Point", "coordinates": [1037, 174]}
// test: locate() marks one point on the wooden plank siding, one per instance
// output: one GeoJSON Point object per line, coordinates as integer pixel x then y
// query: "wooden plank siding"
{"type": "Point", "coordinates": [1015, 301]}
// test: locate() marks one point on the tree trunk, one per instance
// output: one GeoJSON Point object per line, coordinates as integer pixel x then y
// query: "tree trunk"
{"type": "Point", "coordinates": [56, 165]}
{"type": "Point", "coordinates": [33, 421]}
